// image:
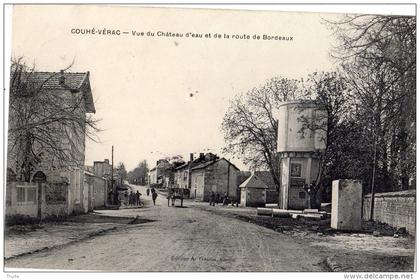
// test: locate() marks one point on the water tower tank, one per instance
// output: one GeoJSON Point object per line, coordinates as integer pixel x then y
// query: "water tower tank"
{"type": "Point", "coordinates": [293, 133]}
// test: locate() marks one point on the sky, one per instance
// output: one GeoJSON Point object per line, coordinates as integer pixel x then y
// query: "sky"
{"type": "Point", "coordinates": [164, 96]}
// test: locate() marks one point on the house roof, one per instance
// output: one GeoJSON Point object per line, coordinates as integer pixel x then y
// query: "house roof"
{"type": "Point", "coordinates": [203, 159]}
{"type": "Point", "coordinates": [267, 178]}
{"type": "Point", "coordinates": [51, 80]}
{"type": "Point", "coordinates": [73, 81]}
{"type": "Point", "coordinates": [164, 164]}
{"type": "Point", "coordinates": [253, 179]}
{"type": "Point", "coordinates": [206, 164]}
{"type": "Point", "coordinates": [182, 166]}
{"type": "Point", "coordinates": [88, 173]}
{"type": "Point", "coordinates": [242, 177]}
{"type": "Point", "coordinates": [203, 165]}
{"type": "Point", "coordinates": [89, 167]}
{"type": "Point", "coordinates": [194, 163]}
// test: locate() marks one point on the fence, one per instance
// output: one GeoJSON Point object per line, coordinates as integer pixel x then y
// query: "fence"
{"type": "Point", "coordinates": [397, 209]}
{"type": "Point", "coordinates": [22, 199]}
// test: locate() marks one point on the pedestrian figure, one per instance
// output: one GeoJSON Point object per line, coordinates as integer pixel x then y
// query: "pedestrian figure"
{"type": "Point", "coordinates": [131, 198]}
{"type": "Point", "coordinates": [217, 198]}
{"type": "Point", "coordinates": [238, 195]}
{"type": "Point", "coordinates": [154, 196]}
{"type": "Point", "coordinates": [134, 198]}
{"type": "Point", "coordinates": [212, 198]}
{"type": "Point", "coordinates": [225, 199]}
{"type": "Point", "coordinates": [110, 197]}
{"type": "Point", "coordinates": [138, 194]}
{"type": "Point", "coordinates": [126, 198]}
{"type": "Point", "coordinates": [148, 191]}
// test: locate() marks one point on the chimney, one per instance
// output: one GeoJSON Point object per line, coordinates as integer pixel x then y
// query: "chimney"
{"type": "Point", "coordinates": [61, 79]}
{"type": "Point", "coordinates": [191, 156]}
{"type": "Point", "coordinates": [201, 155]}
{"type": "Point", "coordinates": [106, 161]}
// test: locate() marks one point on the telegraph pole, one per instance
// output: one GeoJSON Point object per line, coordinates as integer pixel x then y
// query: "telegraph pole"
{"type": "Point", "coordinates": [112, 175]}
{"type": "Point", "coordinates": [372, 192]}
{"type": "Point", "coordinates": [228, 178]}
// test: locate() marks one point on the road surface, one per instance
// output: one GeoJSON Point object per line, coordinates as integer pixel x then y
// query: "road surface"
{"type": "Point", "coordinates": [179, 239]}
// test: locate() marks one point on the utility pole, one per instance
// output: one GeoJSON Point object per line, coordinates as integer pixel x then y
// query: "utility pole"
{"type": "Point", "coordinates": [112, 175]}
{"type": "Point", "coordinates": [372, 192]}
{"type": "Point", "coordinates": [377, 126]}
{"type": "Point", "coordinates": [228, 178]}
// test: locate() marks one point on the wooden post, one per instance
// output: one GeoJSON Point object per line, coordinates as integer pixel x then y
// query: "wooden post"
{"type": "Point", "coordinates": [39, 200]}
{"type": "Point", "coordinates": [228, 178]}
{"type": "Point", "coordinates": [112, 176]}
{"type": "Point", "coordinates": [40, 179]}
{"type": "Point", "coordinates": [372, 197]}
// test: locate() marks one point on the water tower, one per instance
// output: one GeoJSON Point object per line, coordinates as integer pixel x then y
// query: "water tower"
{"type": "Point", "coordinates": [301, 140]}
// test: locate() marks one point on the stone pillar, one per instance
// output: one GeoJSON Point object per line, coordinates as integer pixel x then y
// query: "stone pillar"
{"type": "Point", "coordinates": [346, 208]}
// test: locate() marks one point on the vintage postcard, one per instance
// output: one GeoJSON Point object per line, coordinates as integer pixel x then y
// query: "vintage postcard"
{"type": "Point", "coordinates": [171, 139]}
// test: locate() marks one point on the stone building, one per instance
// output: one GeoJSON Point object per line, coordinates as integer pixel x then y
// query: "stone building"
{"type": "Point", "coordinates": [99, 188]}
{"type": "Point", "coordinates": [158, 175]}
{"type": "Point", "coordinates": [182, 176]}
{"type": "Point", "coordinates": [218, 176]}
{"type": "Point", "coordinates": [58, 184]}
{"type": "Point", "coordinates": [102, 168]}
{"type": "Point", "coordinates": [253, 192]}
{"type": "Point", "coordinates": [272, 193]}
{"type": "Point", "coordinates": [241, 177]}
{"type": "Point", "coordinates": [182, 173]}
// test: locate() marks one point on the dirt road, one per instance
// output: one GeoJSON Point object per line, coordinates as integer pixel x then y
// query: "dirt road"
{"type": "Point", "coordinates": [179, 239]}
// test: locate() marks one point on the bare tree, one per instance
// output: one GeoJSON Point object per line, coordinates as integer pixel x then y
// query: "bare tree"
{"type": "Point", "coordinates": [45, 126]}
{"type": "Point", "coordinates": [122, 171]}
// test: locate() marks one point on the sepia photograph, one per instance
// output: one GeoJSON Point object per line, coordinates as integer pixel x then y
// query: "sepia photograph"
{"type": "Point", "coordinates": [199, 139]}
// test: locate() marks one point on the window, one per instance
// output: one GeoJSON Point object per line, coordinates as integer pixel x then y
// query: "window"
{"type": "Point", "coordinates": [302, 195]}
{"type": "Point", "coordinates": [26, 194]}
{"type": "Point", "coordinates": [31, 195]}
{"type": "Point", "coordinates": [296, 170]}
{"type": "Point", "coordinates": [20, 194]}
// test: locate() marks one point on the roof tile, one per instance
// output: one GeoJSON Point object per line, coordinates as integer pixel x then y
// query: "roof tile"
{"type": "Point", "coordinates": [51, 80]}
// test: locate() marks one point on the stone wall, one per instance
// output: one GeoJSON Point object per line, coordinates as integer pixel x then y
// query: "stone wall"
{"type": "Point", "coordinates": [54, 200]}
{"type": "Point", "coordinates": [57, 209]}
{"type": "Point", "coordinates": [397, 209]}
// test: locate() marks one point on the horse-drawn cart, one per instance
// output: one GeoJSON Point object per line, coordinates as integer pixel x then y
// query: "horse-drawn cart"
{"type": "Point", "coordinates": [176, 193]}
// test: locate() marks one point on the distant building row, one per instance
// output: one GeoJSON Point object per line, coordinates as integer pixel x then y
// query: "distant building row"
{"type": "Point", "coordinates": [208, 174]}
